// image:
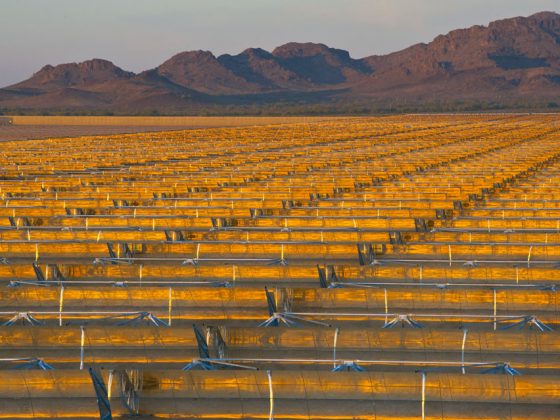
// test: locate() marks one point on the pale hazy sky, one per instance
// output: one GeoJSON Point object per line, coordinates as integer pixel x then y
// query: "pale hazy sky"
{"type": "Point", "coordinates": [140, 34]}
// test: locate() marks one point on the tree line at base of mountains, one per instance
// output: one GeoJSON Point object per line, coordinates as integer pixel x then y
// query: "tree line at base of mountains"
{"type": "Point", "coordinates": [296, 109]}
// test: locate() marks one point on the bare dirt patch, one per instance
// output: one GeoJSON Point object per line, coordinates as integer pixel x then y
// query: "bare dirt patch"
{"type": "Point", "coordinates": [27, 132]}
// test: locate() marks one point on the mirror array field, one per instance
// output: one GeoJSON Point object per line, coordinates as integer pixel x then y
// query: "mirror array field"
{"type": "Point", "coordinates": [388, 268]}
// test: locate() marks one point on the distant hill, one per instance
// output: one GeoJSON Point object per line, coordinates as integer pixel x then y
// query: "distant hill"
{"type": "Point", "coordinates": [508, 61]}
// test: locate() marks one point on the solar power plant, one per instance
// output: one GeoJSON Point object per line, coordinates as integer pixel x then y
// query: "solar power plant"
{"type": "Point", "coordinates": [401, 267]}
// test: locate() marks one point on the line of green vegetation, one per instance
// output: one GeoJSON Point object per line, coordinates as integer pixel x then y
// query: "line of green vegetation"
{"type": "Point", "coordinates": [300, 108]}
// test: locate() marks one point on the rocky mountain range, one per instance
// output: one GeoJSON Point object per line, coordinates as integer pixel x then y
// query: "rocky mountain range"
{"type": "Point", "coordinates": [509, 60]}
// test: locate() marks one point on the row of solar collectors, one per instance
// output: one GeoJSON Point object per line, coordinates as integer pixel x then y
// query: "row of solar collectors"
{"type": "Point", "coordinates": [53, 250]}
{"type": "Point", "coordinates": [479, 308]}
{"type": "Point", "coordinates": [247, 275]}
{"type": "Point", "coordinates": [289, 394]}
{"type": "Point", "coordinates": [277, 234]}
{"type": "Point", "coordinates": [321, 349]}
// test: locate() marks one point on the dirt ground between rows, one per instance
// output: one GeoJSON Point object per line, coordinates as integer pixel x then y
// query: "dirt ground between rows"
{"type": "Point", "coordinates": [27, 132]}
